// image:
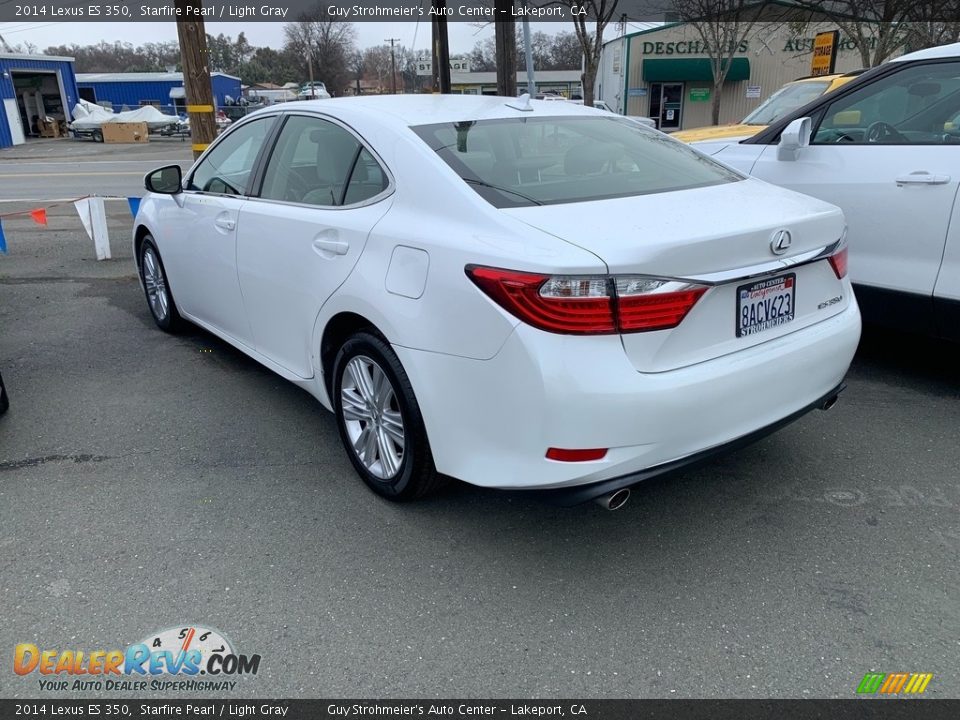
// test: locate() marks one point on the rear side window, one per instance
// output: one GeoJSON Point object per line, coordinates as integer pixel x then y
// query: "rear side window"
{"type": "Point", "coordinates": [317, 162]}
{"type": "Point", "coordinates": [516, 162]}
{"type": "Point", "coordinates": [226, 169]}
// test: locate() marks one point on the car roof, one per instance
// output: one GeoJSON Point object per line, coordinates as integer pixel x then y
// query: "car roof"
{"type": "Point", "coordinates": [817, 78]}
{"type": "Point", "coordinates": [944, 51]}
{"type": "Point", "coordinates": [832, 77]}
{"type": "Point", "coordinates": [412, 110]}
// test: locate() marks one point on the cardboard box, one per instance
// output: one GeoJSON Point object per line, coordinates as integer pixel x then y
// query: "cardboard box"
{"type": "Point", "coordinates": [49, 128]}
{"type": "Point", "coordinates": [121, 132]}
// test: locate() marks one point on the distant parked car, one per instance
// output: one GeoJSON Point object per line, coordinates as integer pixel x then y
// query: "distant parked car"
{"type": "Point", "coordinates": [783, 101]}
{"type": "Point", "coordinates": [886, 149]}
{"type": "Point", "coordinates": [4, 402]}
{"type": "Point", "coordinates": [527, 296]}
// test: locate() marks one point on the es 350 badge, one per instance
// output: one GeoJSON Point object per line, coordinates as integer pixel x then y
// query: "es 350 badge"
{"type": "Point", "coordinates": [186, 652]}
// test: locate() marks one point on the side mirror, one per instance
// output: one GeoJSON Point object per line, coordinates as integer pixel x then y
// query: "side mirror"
{"type": "Point", "coordinates": [794, 137]}
{"type": "Point", "coordinates": [167, 180]}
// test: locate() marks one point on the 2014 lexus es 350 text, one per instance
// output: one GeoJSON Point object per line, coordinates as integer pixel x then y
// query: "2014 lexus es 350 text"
{"type": "Point", "coordinates": [513, 293]}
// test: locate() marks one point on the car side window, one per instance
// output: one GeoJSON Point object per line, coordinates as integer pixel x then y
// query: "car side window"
{"type": "Point", "coordinates": [366, 181]}
{"type": "Point", "coordinates": [916, 105]}
{"type": "Point", "coordinates": [227, 168]}
{"type": "Point", "coordinates": [317, 162]}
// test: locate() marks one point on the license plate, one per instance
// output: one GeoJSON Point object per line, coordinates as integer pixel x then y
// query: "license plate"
{"type": "Point", "coordinates": [765, 304]}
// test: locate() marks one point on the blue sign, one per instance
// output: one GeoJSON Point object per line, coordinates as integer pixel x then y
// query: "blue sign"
{"type": "Point", "coordinates": [636, 92]}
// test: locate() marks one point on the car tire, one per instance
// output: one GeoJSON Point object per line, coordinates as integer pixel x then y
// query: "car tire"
{"type": "Point", "coordinates": [4, 401]}
{"type": "Point", "coordinates": [98, 136]}
{"type": "Point", "coordinates": [380, 422]}
{"type": "Point", "coordinates": [156, 288]}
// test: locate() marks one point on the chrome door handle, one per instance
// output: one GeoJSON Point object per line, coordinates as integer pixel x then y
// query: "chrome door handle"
{"type": "Point", "coordinates": [225, 223]}
{"type": "Point", "coordinates": [922, 177]}
{"type": "Point", "coordinates": [331, 247]}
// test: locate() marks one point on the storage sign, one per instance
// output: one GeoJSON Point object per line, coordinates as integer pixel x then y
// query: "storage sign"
{"type": "Point", "coordinates": [824, 53]}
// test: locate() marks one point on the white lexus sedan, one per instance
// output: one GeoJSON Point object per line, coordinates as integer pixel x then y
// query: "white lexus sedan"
{"type": "Point", "coordinates": [517, 294]}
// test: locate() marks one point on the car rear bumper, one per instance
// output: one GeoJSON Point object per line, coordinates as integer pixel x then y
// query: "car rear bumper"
{"type": "Point", "coordinates": [490, 422]}
{"type": "Point", "coordinates": [582, 493]}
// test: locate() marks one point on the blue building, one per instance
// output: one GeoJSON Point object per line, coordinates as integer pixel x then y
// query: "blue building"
{"type": "Point", "coordinates": [33, 86]}
{"type": "Point", "coordinates": [164, 90]}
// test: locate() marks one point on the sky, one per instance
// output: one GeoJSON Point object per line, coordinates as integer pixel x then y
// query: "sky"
{"type": "Point", "coordinates": [463, 36]}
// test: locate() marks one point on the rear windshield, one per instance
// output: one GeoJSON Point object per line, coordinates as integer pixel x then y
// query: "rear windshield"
{"type": "Point", "coordinates": [516, 162]}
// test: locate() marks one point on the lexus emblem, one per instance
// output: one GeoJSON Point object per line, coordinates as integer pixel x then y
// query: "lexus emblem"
{"type": "Point", "coordinates": [780, 242]}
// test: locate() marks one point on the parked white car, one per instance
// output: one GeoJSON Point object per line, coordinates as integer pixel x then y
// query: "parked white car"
{"type": "Point", "coordinates": [886, 149]}
{"type": "Point", "coordinates": [518, 295]}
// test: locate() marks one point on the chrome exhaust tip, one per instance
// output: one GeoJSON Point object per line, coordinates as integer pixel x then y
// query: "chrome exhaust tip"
{"type": "Point", "coordinates": [830, 402]}
{"type": "Point", "coordinates": [615, 500]}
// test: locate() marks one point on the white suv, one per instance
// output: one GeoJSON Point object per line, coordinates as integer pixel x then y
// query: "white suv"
{"type": "Point", "coordinates": [885, 148]}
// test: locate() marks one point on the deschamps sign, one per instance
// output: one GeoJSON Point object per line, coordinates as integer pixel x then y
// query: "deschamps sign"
{"type": "Point", "coordinates": [698, 47]}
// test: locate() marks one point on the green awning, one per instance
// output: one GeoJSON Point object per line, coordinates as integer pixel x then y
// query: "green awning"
{"type": "Point", "coordinates": [685, 69]}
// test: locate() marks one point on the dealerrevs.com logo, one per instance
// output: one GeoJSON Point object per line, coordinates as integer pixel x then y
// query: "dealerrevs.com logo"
{"type": "Point", "coordinates": [189, 658]}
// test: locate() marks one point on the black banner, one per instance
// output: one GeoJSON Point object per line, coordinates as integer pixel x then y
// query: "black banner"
{"type": "Point", "coordinates": [474, 11]}
{"type": "Point", "coordinates": [869, 708]}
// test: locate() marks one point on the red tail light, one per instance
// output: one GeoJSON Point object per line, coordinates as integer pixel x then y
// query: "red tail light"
{"type": "Point", "coordinates": [654, 304]}
{"type": "Point", "coordinates": [577, 306]}
{"type": "Point", "coordinates": [588, 304]}
{"type": "Point", "coordinates": [838, 261]}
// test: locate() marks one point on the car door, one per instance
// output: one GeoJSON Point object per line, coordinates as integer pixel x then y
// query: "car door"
{"type": "Point", "coordinates": [322, 192]}
{"type": "Point", "coordinates": [888, 153]}
{"type": "Point", "coordinates": [200, 236]}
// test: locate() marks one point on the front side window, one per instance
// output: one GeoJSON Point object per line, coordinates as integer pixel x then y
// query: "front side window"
{"type": "Point", "coordinates": [516, 162]}
{"type": "Point", "coordinates": [915, 106]}
{"type": "Point", "coordinates": [227, 168]}
{"type": "Point", "coordinates": [317, 162]}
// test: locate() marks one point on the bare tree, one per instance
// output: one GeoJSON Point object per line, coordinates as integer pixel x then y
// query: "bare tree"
{"type": "Point", "coordinates": [598, 14]}
{"type": "Point", "coordinates": [723, 27]}
{"type": "Point", "coordinates": [327, 42]}
{"type": "Point", "coordinates": [879, 29]}
{"type": "Point", "coordinates": [358, 66]}
{"type": "Point", "coordinates": [376, 61]}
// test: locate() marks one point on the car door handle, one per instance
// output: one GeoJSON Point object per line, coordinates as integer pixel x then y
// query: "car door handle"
{"type": "Point", "coordinates": [922, 177]}
{"type": "Point", "coordinates": [331, 247]}
{"type": "Point", "coordinates": [225, 223]}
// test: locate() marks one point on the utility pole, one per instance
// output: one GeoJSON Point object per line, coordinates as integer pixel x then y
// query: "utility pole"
{"type": "Point", "coordinates": [393, 65]}
{"type": "Point", "coordinates": [195, 60]}
{"type": "Point", "coordinates": [441, 48]}
{"type": "Point", "coordinates": [506, 37]}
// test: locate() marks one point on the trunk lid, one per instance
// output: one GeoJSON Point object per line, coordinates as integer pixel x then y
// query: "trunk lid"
{"type": "Point", "coordinates": [725, 228]}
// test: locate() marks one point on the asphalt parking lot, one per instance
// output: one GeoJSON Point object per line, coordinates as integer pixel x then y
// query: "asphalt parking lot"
{"type": "Point", "coordinates": [150, 481]}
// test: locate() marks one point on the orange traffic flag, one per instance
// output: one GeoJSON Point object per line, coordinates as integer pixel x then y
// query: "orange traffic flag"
{"type": "Point", "coordinates": [39, 216]}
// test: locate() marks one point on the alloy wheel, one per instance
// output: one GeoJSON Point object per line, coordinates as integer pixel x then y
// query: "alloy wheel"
{"type": "Point", "coordinates": [371, 414]}
{"type": "Point", "coordinates": [156, 285]}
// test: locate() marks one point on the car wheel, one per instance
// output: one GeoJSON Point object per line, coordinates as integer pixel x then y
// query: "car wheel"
{"type": "Point", "coordinates": [157, 289]}
{"type": "Point", "coordinates": [380, 422]}
{"type": "Point", "coordinates": [98, 135]}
